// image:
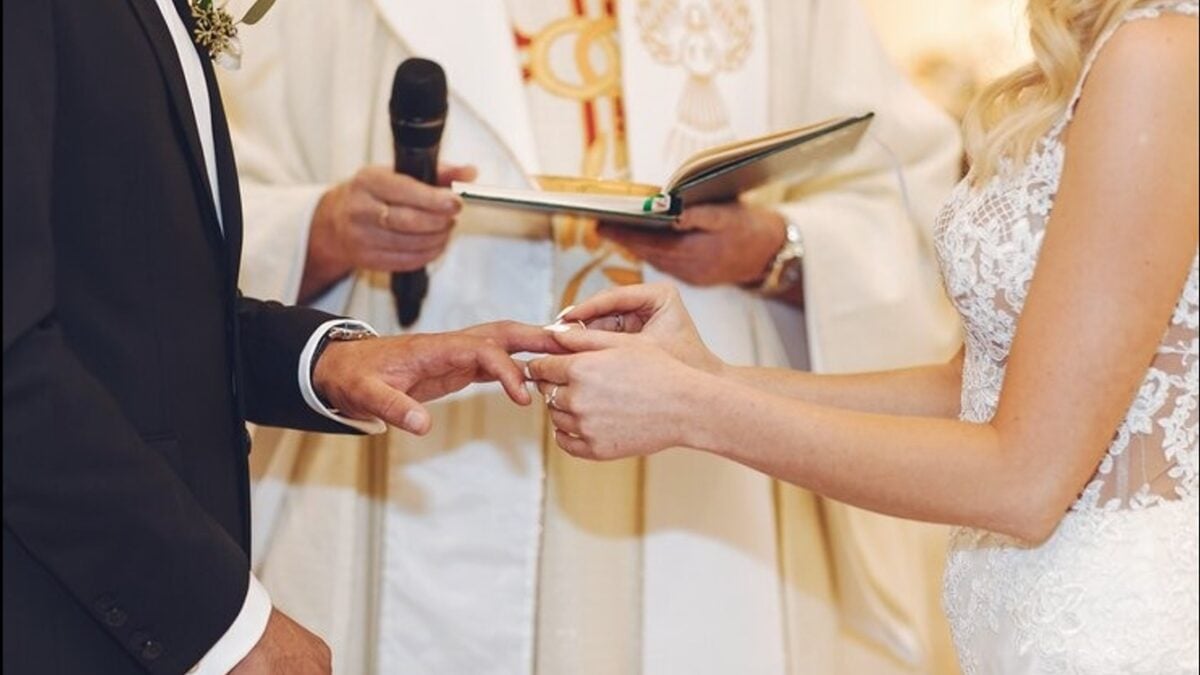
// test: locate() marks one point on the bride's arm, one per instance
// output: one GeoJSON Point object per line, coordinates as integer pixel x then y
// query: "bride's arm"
{"type": "Point", "coordinates": [656, 315]}
{"type": "Point", "coordinates": [929, 391]}
{"type": "Point", "coordinates": [1116, 254]}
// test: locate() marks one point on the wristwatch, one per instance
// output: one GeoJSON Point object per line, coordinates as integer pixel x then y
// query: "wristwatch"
{"type": "Point", "coordinates": [785, 270]}
{"type": "Point", "coordinates": [339, 333]}
{"type": "Point", "coordinates": [343, 332]}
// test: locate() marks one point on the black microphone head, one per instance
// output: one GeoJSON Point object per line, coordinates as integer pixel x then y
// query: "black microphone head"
{"type": "Point", "coordinates": [418, 103]}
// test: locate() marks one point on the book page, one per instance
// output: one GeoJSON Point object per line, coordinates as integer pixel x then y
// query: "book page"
{"type": "Point", "coordinates": [706, 160]}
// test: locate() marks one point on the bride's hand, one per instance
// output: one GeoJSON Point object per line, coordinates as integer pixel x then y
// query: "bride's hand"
{"type": "Point", "coordinates": [653, 311]}
{"type": "Point", "coordinates": [631, 398]}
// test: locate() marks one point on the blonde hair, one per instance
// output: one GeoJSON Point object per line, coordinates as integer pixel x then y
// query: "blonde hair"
{"type": "Point", "coordinates": [1009, 115]}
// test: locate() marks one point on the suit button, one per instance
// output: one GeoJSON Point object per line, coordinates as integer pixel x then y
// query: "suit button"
{"type": "Point", "coordinates": [115, 617]}
{"type": "Point", "coordinates": [151, 650]}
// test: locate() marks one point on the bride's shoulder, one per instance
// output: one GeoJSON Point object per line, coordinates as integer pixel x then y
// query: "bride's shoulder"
{"type": "Point", "coordinates": [1143, 80]}
{"type": "Point", "coordinates": [1162, 41]}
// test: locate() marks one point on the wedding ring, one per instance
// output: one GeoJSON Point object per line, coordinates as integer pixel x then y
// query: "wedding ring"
{"type": "Point", "coordinates": [383, 215]}
{"type": "Point", "coordinates": [551, 396]}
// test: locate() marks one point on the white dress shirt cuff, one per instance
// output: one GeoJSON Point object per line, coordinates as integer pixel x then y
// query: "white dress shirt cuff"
{"type": "Point", "coordinates": [375, 426]}
{"type": "Point", "coordinates": [245, 632]}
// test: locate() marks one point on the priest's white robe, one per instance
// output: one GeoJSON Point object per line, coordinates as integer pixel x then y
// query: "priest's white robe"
{"type": "Point", "coordinates": [426, 555]}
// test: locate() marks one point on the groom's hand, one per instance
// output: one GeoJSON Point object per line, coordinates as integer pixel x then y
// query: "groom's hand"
{"type": "Point", "coordinates": [389, 377]}
{"type": "Point", "coordinates": [286, 647]}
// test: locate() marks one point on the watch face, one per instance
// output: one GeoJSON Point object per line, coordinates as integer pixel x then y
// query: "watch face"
{"type": "Point", "coordinates": [349, 333]}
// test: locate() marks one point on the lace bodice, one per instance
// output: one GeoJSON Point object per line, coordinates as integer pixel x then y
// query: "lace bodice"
{"type": "Point", "coordinates": [1114, 589]}
{"type": "Point", "coordinates": [988, 239]}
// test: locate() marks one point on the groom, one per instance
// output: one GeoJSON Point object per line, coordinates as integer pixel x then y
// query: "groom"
{"type": "Point", "coordinates": [131, 362]}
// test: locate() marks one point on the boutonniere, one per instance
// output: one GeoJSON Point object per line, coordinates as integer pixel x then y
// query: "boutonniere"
{"type": "Point", "coordinates": [216, 29]}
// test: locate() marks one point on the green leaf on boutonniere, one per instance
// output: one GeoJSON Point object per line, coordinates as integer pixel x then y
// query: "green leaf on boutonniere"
{"type": "Point", "coordinates": [257, 11]}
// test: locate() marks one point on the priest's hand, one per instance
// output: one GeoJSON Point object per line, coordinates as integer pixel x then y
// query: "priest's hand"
{"type": "Point", "coordinates": [712, 244]}
{"type": "Point", "coordinates": [388, 378]}
{"type": "Point", "coordinates": [379, 220]}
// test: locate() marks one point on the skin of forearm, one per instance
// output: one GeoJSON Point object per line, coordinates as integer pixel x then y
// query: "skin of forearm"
{"type": "Point", "coordinates": [935, 470]}
{"type": "Point", "coordinates": [927, 391]}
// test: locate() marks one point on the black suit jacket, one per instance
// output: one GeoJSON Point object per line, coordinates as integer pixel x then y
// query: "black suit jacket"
{"type": "Point", "coordinates": [130, 361]}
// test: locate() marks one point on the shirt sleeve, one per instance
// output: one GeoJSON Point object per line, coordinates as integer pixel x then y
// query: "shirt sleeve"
{"type": "Point", "coordinates": [245, 632]}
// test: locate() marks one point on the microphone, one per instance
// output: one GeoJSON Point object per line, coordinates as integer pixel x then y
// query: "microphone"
{"type": "Point", "coordinates": [418, 114]}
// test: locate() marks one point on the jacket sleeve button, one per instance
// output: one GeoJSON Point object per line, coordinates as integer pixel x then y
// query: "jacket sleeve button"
{"type": "Point", "coordinates": [115, 617]}
{"type": "Point", "coordinates": [151, 650]}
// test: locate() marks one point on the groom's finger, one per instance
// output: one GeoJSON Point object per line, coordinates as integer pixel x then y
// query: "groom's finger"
{"type": "Point", "coordinates": [393, 406]}
{"type": "Point", "coordinates": [551, 369]}
{"type": "Point", "coordinates": [496, 364]}
{"type": "Point", "coordinates": [579, 340]}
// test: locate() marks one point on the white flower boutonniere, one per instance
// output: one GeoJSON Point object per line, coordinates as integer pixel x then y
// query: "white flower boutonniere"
{"type": "Point", "coordinates": [216, 29]}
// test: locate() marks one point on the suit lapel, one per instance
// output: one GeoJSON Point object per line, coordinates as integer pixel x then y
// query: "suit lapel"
{"type": "Point", "coordinates": [227, 178]}
{"type": "Point", "coordinates": [168, 61]}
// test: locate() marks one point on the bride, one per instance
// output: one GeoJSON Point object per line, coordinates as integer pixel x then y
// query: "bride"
{"type": "Point", "coordinates": [1062, 440]}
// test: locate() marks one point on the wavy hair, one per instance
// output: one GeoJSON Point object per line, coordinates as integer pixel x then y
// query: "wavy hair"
{"type": "Point", "coordinates": [1009, 115]}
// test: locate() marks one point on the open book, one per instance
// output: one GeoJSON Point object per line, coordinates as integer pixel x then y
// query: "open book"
{"type": "Point", "coordinates": [716, 174]}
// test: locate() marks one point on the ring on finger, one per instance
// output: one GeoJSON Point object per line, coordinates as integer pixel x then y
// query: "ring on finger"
{"type": "Point", "coordinates": [550, 398]}
{"type": "Point", "coordinates": [384, 211]}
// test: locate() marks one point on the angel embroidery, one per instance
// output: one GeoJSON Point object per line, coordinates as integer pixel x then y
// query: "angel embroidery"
{"type": "Point", "coordinates": [705, 38]}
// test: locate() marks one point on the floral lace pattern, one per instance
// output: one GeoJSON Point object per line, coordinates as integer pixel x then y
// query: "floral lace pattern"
{"type": "Point", "coordinates": [1115, 588]}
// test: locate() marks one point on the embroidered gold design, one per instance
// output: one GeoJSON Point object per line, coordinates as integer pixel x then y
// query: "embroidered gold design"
{"type": "Point", "coordinates": [705, 38]}
{"type": "Point", "coordinates": [590, 74]}
{"type": "Point", "coordinates": [592, 38]}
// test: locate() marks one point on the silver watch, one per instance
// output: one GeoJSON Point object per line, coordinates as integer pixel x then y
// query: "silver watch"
{"type": "Point", "coordinates": [341, 333]}
{"type": "Point", "coordinates": [785, 270]}
{"type": "Point", "coordinates": [344, 332]}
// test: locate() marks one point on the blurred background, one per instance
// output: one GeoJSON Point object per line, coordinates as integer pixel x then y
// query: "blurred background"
{"type": "Point", "coordinates": [951, 47]}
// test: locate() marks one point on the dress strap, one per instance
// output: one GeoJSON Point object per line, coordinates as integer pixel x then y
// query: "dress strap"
{"type": "Point", "coordinates": [1151, 11]}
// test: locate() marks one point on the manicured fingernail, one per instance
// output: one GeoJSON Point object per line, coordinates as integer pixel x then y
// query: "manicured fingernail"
{"type": "Point", "coordinates": [414, 420]}
{"type": "Point", "coordinates": [564, 312]}
{"type": "Point", "coordinates": [557, 327]}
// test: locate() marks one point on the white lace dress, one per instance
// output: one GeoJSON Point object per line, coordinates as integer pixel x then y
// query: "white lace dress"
{"type": "Point", "coordinates": [1114, 590]}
